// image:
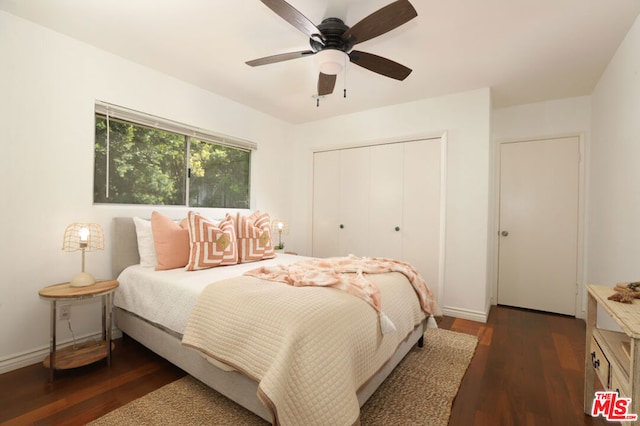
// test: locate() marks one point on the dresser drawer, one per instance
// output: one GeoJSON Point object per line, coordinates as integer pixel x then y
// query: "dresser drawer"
{"type": "Point", "coordinates": [601, 364]}
{"type": "Point", "coordinates": [619, 384]}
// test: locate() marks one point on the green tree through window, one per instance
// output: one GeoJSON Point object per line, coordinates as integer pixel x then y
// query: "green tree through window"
{"type": "Point", "coordinates": [219, 176]}
{"type": "Point", "coordinates": [138, 164]}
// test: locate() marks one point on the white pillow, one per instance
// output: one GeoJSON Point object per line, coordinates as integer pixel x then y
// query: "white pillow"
{"type": "Point", "coordinates": [146, 247]}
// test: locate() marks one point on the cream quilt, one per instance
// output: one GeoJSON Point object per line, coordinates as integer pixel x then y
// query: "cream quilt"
{"type": "Point", "coordinates": [309, 348]}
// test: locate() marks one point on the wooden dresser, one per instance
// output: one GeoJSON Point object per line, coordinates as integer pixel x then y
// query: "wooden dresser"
{"type": "Point", "coordinates": [613, 356]}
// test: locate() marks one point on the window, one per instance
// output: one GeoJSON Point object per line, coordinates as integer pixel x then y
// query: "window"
{"type": "Point", "coordinates": [141, 159]}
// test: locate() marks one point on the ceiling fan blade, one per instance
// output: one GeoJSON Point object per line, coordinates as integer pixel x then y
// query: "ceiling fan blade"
{"type": "Point", "coordinates": [379, 65]}
{"type": "Point", "coordinates": [279, 58]}
{"type": "Point", "coordinates": [381, 21]}
{"type": "Point", "coordinates": [326, 83]}
{"type": "Point", "coordinates": [292, 16]}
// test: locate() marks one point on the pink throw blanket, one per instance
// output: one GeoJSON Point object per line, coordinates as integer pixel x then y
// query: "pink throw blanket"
{"type": "Point", "coordinates": [349, 274]}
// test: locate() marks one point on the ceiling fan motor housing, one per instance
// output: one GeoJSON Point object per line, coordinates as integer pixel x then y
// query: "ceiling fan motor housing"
{"type": "Point", "coordinates": [331, 36]}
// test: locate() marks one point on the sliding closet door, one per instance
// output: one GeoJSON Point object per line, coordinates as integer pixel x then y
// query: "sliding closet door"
{"type": "Point", "coordinates": [386, 199]}
{"type": "Point", "coordinates": [353, 203]}
{"type": "Point", "coordinates": [421, 239]}
{"type": "Point", "coordinates": [382, 200]}
{"type": "Point", "coordinates": [340, 203]}
{"type": "Point", "coordinates": [326, 215]}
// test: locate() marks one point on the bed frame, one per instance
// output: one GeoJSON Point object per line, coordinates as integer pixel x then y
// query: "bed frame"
{"type": "Point", "coordinates": [232, 384]}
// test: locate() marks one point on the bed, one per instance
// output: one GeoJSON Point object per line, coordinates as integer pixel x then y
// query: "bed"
{"type": "Point", "coordinates": [162, 330]}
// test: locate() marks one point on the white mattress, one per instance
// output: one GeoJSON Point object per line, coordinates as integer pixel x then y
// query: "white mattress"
{"type": "Point", "coordinates": [167, 297]}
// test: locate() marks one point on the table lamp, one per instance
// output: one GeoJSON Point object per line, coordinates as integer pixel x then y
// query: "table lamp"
{"type": "Point", "coordinates": [281, 227]}
{"type": "Point", "coordinates": [85, 237]}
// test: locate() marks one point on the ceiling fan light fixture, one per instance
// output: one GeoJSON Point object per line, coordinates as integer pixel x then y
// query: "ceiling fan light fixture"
{"type": "Point", "coordinates": [331, 61]}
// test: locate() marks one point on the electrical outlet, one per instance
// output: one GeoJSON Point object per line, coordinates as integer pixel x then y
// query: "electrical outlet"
{"type": "Point", "coordinates": [65, 312]}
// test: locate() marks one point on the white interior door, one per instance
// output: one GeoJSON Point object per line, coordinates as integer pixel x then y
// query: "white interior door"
{"type": "Point", "coordinates": [539, 206]}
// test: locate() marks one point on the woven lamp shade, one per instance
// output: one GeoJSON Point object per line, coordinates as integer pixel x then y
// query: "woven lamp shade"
{"type": "Point", "coordinates": [276, 228]}
{"type": "Point", "coordinates": [282, 228]}
{"type": "Point", "coordinates": [85, 237]}
{"type": "Point", "coordinates": [93, 237]}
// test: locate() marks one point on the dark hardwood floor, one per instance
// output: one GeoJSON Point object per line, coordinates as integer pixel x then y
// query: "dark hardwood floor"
{"type": "Point", "coordinates": [528, 369]}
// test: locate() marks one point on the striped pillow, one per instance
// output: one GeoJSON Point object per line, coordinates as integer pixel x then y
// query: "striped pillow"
{"type": "Point", "coordinates": [254, 237]}
{"type": "Point", "coordinates": [212, 244]}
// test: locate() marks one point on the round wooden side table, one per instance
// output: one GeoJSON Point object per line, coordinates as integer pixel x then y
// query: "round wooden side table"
{"type": "Point", "coordinates": [85, 353]}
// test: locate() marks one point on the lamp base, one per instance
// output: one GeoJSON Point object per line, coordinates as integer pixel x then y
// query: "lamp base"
{"type": "Point", "coordinates": [82, 279]}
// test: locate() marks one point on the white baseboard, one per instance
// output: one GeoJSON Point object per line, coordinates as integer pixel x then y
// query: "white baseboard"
{"type": "Point", "coordinates": [35, 356]}
{"type": "Point", "coordinates": [467, 314]}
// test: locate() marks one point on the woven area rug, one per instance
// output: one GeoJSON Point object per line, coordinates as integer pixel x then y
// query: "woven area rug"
{"type": "Point", "coordinates": [420, 391]}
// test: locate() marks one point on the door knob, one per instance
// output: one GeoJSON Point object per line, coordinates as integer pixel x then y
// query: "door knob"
{"type": "Point", "coordinates": [504, 233]}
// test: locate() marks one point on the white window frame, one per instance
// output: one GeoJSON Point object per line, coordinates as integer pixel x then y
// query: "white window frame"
{"type": "Point", "coordinates": [115, 111]}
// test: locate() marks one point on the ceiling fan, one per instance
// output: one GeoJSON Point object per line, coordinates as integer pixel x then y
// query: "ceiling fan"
{"type": "Point", "coordinates": [332, 41]}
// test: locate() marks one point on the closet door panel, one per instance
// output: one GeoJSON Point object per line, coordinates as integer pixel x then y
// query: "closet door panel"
{"type": "Point", "coordinates": [326, 216]}
{"type": "Point", "coordinates": [421, 214]}
{"type": "Point", "coordinates": [353, 203]}
{"type": "Point", "coordinates": [386, 200]}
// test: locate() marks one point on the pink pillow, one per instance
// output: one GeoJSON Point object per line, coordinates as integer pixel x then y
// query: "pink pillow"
{"type": "Point", "coordinates": [171, 242]}
{"type": "Point", "coordinates": [254, 237]}
{"type": "Point", "coordinates": [212, 244]}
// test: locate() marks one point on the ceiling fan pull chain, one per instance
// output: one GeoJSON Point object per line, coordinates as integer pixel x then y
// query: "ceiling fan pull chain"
{"type": "Point", "coordinates": [344, 80]}
{"type": "Point", "coordinates": [317, 102]}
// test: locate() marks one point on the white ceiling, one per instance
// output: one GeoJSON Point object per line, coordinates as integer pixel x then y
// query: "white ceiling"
{"type": "Point", "coordinates": [524, 50]}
